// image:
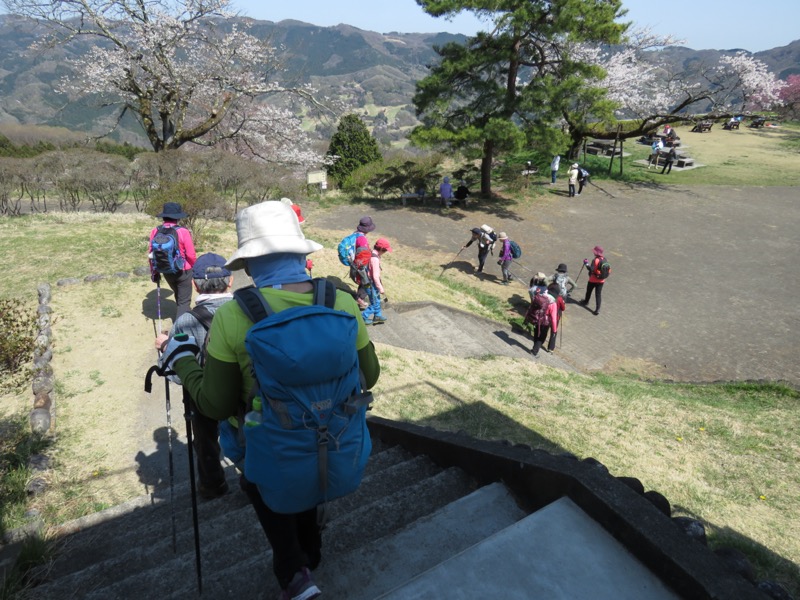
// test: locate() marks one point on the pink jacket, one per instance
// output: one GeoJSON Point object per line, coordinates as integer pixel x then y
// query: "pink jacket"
{"type": "Point", "coordinates": [552, 311]}
{"type": "Point", "coordinates": [185, 244]}
{"type": "Point", "coordinates": [375, 271]}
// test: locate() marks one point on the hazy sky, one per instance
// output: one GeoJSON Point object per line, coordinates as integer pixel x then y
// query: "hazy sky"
{"type": "Point", "coordinates": [703, 24]}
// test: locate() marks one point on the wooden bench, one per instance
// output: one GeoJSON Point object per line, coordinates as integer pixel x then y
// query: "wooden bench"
{"type": "Point", "coordinates": [413, 196]}
{"type": "Point", "coordinates": [702, 127]}
{"type": "Point", "coordinates": [758, 122]}
{"type": "Point", "coordinates": [731, 125]}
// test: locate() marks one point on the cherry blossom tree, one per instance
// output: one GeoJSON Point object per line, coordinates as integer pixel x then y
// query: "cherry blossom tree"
{"type": "Point", "coordinates": [184, 68]}
{"type": "Point", "coordinates": [790, 96]}
{"type": "Point", "coordinates": [646, 92]}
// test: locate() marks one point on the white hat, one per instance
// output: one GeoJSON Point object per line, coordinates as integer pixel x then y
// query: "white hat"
{"type": "Point", "coordinates": [268, 228]}
{"type": "Point", "coordinates": [503, 235]}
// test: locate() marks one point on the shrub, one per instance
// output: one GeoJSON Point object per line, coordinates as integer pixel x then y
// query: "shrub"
{"type": "Point", "coordinates": [19, 327]}
{"type": "Point", "coordinates": [197, 199]}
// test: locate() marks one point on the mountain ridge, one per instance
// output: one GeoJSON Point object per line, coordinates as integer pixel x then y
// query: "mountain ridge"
{"type": "Point", "coordinates": [373, 72]}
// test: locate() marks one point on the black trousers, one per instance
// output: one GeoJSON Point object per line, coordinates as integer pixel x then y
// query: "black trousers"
{"type": "Point", "coordinates": [598, 293]}
{"type": "Point", "coordinates": [296, 539]}
{"type": "Point", "coordinates": [482, 258]}
{"type": "Point", "coordinates": [181, 286]}
{"type": "Point", "coordinates": [205, 442]}
{"type": "Point", "coordinates": [539, 338]}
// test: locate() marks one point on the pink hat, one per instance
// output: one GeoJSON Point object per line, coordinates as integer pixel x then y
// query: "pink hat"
{"type": "Point", "coordinates": [383, 244]}
{"type": "Point", "coordinates": [598, 251]}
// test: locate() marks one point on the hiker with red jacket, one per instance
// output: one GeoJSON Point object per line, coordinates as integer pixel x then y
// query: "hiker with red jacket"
{"type": "Point", "coordinates": [599, 270]}
{"type": "Point", "coordinates": [180, 282]}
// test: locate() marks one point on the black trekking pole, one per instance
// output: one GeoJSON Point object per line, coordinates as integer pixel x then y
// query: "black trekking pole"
{"type": "Point", "coordinates": [171, 467]}
{"type": "Point", "coordinates": [169, 431]}
{"type": "Point", "coordinates": [188, 413]}
{"type": "Point", "coordinates": [579, 274]}
{"type": "Point", "coordinates": [451, 262]}
{"type": "Point", "coordinates": [599, 188]}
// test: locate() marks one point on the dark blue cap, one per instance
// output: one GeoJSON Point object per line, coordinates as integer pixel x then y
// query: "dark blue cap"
{"type": "Point", "coordinates": [206, 261]}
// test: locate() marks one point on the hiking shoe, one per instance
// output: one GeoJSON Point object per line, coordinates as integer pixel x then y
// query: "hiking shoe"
{"type": "Point", "coordinates": [367, 321]}
{"type": "Point", "coordinates": [301, 587]}
{"type": "Point", "coordinates": [596, 312]}
{"type": "Point", "coordinates": [582, 302]}
{"type": "Point", "coordinates": [377, 320]}
{"type": "Point", "coordinates": [212, 492]}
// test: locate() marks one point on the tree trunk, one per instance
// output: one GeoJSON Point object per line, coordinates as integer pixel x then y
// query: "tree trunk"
{"type": "Point", "coordinates": [486, 168]}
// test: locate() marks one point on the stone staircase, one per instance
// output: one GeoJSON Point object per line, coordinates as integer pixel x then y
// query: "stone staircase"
{"type": "Point", "coordinates": [437, 515]}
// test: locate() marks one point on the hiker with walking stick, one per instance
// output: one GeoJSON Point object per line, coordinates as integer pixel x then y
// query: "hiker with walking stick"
{"type": "Point", "coordinates": [599, 269]}
{"type": "Point", "coordinates": [305, 345]}
{"type": "Point", "coordinates": [485, 243]}
{"type": "Point", "coordinates": [212, 280]}
{"type": "Point", "coordinates": [171, 253]}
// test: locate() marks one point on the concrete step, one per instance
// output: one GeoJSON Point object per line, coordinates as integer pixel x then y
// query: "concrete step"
{"type": "Point", "coordinates": [572, 558]}
{"type": "Point", "coordinates": [381, 565]}
{"type": "Point", "coordinates": [127, 552]}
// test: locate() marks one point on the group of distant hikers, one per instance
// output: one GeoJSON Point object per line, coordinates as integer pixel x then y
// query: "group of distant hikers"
{"type": "Point", "coordinates": [276, 376]}
{"type": "Point", "coordinates": [548, 294]}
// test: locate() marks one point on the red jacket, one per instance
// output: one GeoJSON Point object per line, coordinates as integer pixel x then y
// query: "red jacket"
{"type": "Point", "coordinates": [594, 268]}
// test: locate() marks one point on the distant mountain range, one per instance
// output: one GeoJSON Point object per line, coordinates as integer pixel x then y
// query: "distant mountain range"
{"type": "Point", "coordinates": [375, 72]}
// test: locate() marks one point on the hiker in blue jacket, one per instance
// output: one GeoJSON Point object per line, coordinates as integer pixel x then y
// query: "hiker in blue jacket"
{"type": "Point", "coordinates": [272, 250]}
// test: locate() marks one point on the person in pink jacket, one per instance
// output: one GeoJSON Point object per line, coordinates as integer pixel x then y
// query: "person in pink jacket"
{"type": "Point", "coordinates": [545, 323]}
{"type": "Point", "coordinates": [373, 314]}
{"type": "Point", "coordinates": [181, 282]}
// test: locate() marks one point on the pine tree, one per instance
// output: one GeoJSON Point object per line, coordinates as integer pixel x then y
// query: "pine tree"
{"type": "Point", "coordinates": [352, 146]}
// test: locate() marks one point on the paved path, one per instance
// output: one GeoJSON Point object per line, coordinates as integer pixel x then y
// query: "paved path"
{"type": "Point", "coordinates": [703, 282]}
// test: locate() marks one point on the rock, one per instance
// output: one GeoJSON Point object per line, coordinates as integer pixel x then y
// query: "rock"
{"type": "Point", "coordinates": [44, 309]}
{"type": "Point", "coordinates": [67, 281]}
{"type": "Point", "coordinates": [36, 486]}
{"type": "Point", "coordinates": [141, 271]}
{"type": "Point", "coordinates": [693, 528]}
{"type": "Point", "coordinates": [633, 483]}
{"type": "Point", "coordinates": [659, 501]}
{"type": "Point", "coordinates": [38, 463]}
{"type": "Point", "coordinates": [121, 275]}
{"type": "Point", "coordinates": [774, 590]}
{"type": "Point", "coordinates": [93, 278]}
{"type": "Point", "coordinates": [42, 400]}
{"type": "Point", "coordinates": [43, 289]}
{"type": "Point", "coordinates": [40, 420]}
{"type": "Point", "coordinates": [42, 383]}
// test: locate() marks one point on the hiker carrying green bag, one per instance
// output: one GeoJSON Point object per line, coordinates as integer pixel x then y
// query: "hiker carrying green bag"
{"type": "Point", "coordinates": [321, 399]}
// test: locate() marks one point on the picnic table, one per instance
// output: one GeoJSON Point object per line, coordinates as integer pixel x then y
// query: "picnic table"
{"type": "Point", "coordinates": [602, 147]}
{"type": "Point", "coordinates": [732, 124]}
{"type": "Point", "coordinates": [758, 122]}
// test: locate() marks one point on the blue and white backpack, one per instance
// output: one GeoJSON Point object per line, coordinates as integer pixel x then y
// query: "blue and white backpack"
{"type": "Point", "coordinates": [312, 443]}
{"type": "Point", "coordinates": [166, 252]}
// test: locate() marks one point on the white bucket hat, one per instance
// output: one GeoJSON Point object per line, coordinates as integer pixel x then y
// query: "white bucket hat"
{"type": "Point", "coordinates": [268, 228]}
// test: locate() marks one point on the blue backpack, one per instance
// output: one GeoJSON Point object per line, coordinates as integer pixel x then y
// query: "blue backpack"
{"type": "Point", "coordinates": [166, 251]}
{"type": "Point", "coordinates": [347, 248]}
{"type": "Point", "coordinates": [311, 444]}
{"type": "Point", "coordinates": [516, 251]}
